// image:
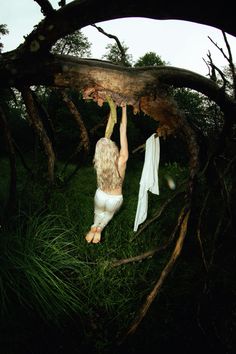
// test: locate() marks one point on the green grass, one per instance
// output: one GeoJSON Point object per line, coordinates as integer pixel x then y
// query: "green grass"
{"type": "Point", "coordinates": [49, 267]}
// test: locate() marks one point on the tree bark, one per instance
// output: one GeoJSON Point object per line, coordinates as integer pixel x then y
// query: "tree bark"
{"type": "Point", "coordinates": [76, 115]}
{"type": "Point", "coordinates": [37, 124]}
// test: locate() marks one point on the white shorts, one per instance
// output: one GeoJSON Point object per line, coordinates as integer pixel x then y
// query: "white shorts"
{"type": "Point", "coordinates": [105, 206]}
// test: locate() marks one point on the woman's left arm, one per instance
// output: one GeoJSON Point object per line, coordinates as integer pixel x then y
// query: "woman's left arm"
{"type": "Point", "coordinates": [124, 151]}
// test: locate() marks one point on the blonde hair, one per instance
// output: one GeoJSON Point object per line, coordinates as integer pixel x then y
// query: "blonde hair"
{"type": "Point", "coordinates": [106, 164]}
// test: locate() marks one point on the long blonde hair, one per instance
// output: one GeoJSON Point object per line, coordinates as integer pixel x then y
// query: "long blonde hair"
{"type": "Point", "coordinates": [106, 164]}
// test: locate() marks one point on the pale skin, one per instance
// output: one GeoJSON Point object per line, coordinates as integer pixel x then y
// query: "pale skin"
{"type": "Point", "coordinates": [94, 235]}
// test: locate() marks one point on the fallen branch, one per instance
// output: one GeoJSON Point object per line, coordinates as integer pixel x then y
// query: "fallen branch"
{"type": "Point", "coordinates": [150, 298]}
{"type": "Point", "coordinates": [199, 230]}
{"type": "Point", "coordinates": [150, 253]}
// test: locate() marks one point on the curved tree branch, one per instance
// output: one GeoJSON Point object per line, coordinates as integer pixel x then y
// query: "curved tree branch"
{"type": "Point", "coordinates": [78, 14]}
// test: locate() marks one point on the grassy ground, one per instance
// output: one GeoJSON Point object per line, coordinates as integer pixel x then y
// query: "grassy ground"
{"type": "Point", "coordinates": [51, 277]}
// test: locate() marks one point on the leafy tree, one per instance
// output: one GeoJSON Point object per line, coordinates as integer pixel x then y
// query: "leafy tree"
{"type": "Point", "coordinates": [75, 44]}
{"type": "Point", "coordinates": [115, 55]}
{"type": "Point", "coordinates": [150, 59]}
{"type": "Point", "coordinates": [3, 31]}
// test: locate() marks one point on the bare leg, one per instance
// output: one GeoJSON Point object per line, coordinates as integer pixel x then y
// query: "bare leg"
{"type": "Point", "coordinates": [97, 235]}
{"type": "Point", "coordinates": [90, 235]}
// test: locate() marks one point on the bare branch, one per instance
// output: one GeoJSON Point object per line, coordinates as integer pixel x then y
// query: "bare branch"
{"type": "Point", "coordinates": [220, 49]}
{"type": "Point", "coordinates": [231, 63]}
{"type": "Point", "coordinates": [158, 213]}
{"type": "Point", "coordinates": [151, 253]}
{"type": "Point", "coordinates": [208, 67]}
{"type": "Point", "coordinates": [229, 59]}
{"type": "Point", "coordinates": [214, 68]}
{"type": "Point", "coordinates": [140, 147]}
{"type": "Point", "coordinates": [199, 230]}
{"type": "Point", "coordinates": [62, 3]}
{"type": "Point", "coordinates": [46, 7]}
{"type": "Point", "coordinates": [119, 45]}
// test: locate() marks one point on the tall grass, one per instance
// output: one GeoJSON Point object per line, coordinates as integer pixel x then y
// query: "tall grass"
{"type": "Point", "coordinates": [48, 266]}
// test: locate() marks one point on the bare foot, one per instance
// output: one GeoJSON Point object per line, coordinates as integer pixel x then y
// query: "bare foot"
{"type": "Point", "coordinates": [97, 237]}
{"type": "Point", "coordinates": [90, 235]}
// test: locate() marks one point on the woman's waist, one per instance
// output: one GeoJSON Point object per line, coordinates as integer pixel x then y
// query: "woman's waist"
{"type": "Point", "coordinates": [112, 193]}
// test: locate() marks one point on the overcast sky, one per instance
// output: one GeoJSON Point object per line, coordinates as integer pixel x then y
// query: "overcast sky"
{"type": "Point", "coordinates": [180, 43]}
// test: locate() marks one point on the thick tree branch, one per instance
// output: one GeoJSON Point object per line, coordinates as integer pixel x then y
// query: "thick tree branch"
{"type": "Point", "coordinates": [78, 14]}
{"type": "Point", "coordinates": [96, 77]}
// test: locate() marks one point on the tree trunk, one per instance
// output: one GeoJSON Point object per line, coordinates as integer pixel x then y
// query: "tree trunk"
{"type": "Point", "coordinates": [37, 124]}
{"type": "Point", "coordinates": [76, 115]}
{"type": "Point", "coordinates": [11, 203]}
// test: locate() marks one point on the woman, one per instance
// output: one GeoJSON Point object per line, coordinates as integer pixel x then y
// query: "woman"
{"type": "Point", "coordinates": [110, 166]}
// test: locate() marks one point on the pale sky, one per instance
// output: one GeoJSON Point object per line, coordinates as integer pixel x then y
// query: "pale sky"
{"type": "Point", "coordinates": [180, 43]}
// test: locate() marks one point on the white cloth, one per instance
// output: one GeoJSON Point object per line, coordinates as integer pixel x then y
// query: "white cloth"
{"type": "Point", "coordinates": [149, 178]}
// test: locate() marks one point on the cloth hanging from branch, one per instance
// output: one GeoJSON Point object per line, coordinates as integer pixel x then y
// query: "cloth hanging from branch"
{"type": "Point", "coordinates": [149, 178]}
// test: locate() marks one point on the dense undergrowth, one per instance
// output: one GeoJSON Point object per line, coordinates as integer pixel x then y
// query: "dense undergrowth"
{"type": "Point", "coordinates": [51, 278]}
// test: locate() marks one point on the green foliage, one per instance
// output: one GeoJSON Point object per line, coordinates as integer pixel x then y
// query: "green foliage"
{"type": "Point", "coordinates": [115, 55]}
{"type": "Point", "coordinates": [3, 32]}
{"type": "Point", "coordinates": [75, 44]}
{"type": "Point", "coordinates": [150, 59]}
{"type": "Point", "coordinates": [58, 275]}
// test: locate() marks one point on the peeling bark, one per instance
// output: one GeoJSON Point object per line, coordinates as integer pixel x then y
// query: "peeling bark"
{"type": "Point", "coordinates": [98, 79]}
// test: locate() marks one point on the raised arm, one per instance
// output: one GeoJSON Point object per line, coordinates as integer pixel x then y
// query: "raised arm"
{"type": "Point", "coordinates": [124, 152]}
